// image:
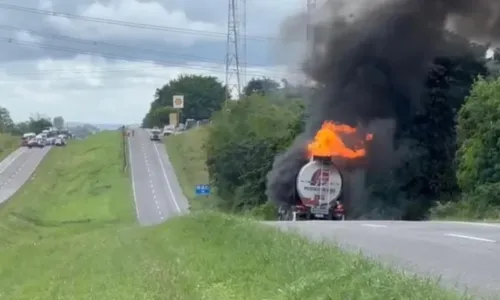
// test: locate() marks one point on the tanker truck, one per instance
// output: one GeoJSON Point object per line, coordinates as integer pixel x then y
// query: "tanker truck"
{"type": "Point", "coordinates": [318, 192]}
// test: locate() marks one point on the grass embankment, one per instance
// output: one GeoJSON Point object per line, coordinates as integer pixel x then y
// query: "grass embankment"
{"type": "Point", "coordinates": [247, 261]}
{"type": "Point", "coordinates": [8, 144]}
{"type": "Point", "coordinates": [188, 159]}
{"type": "Point", "coordinates": [77, 186]}
{"type": "Point", "coordinates": [69, 234]}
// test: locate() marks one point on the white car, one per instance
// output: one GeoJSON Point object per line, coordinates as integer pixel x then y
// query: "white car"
{"type": "Point", "coordinates": [168, 132]}
{"type": "Point", "coordinates": [35, 143]}
{"type": "Point", "coordinates": [60, 142]}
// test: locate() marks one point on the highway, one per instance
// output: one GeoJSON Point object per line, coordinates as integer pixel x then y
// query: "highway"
{"type": "Point", "coordinates": [157, 193]}
{"type": "Point", "coordinates": [464, 255]}
{"type": "Point", "coordinates": [17, 168]}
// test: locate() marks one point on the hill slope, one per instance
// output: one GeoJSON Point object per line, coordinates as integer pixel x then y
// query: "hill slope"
{"type": "Point", "coordinates": [71, 234]}
{"type": "Point", "coordinates": [8, 143]}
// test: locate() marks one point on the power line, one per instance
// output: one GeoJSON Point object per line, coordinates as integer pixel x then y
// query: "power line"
{"type": "Point", "coordinates": [120, 57]}
{"type": "Point", "coordinates": [128, 24]}
{"type": "Point", "coordinates": [119, 46]}
{"type": "Point", "coordinates": [97, 43]}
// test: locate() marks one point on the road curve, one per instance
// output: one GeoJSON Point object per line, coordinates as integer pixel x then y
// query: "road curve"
{"type": "Point", "coordinates": [157, 193]}
{"type": "Point", "coordinates": [464, 255]}
{"type": "Point", "coordinates": [17, 168]}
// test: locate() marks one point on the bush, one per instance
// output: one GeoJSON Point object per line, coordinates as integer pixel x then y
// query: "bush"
{"type": "Point", "coordinates": [478, 155]}
{"type": "Point", "coordinates": [479, 136]}
{"type": "Point", "coordinates": [242, 143]}
{"type": "Point", "coordinates": [474, 205]}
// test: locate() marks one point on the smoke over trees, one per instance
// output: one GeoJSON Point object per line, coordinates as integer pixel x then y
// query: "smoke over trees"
{"type": "Point", "coordinates": [394, 69]}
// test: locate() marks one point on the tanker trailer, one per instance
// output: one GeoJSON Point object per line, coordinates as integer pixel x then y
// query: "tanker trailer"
{"type": "Point", "coordinates": [318, 192]}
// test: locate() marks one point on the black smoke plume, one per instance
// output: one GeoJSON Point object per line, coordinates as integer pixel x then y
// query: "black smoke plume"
{"type": "Point", "coordinates": [370, 67]}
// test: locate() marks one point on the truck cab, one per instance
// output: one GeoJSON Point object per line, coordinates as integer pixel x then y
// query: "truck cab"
{"type": "Point", "coordinates": [155, 134]}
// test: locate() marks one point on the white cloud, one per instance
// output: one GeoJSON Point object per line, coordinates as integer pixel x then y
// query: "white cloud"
{"type": "Point", "coordinates": [93, 89]}
{"type": "Point", "coordinates": [133, 11]}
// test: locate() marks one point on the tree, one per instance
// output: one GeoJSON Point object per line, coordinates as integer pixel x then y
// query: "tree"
{"type": "Point", "coordinates": [39, 124]}
{"type": "Point", "coordinates": [159, 117]}
{"type": "Point", "coordinates": [261, 86]}
{"type": "Point", "coordinates": [6, 123]}
{"type": "Point", "coordinates": [427, 173]}
{"type": "Point", "coordinates": [203, 95]}
{"type": "Point", "coordinates": [21, 128]}
{"type": "Point", "coordinates": [242, 143]}
{"type": "Point", "coordinates": [58, 122]}
{"type": "Point", "coordinates": [479, 136]}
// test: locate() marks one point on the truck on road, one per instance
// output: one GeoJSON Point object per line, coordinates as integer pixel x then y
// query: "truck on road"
{"type": "Point", "coordinates": [318, 192]}
{"type": "Point", "coordinates": [155, 134]}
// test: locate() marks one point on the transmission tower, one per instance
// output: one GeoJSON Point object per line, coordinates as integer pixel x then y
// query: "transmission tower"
{"type": "Point", "coordinates": [235, 47]}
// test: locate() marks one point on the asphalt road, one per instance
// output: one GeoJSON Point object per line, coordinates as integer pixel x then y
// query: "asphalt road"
{"type": "Point", "coordinates": [157, 193]}
{"type": "Point", "coordinates": [17, 168]}
{"type": "Point", "coordinates": [463, 255]}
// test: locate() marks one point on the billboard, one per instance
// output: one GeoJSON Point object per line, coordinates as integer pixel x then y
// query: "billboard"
{"type": "Point", "coordinates": [172, 117]}
{"type": "Point", "coordinates": [178, 101]}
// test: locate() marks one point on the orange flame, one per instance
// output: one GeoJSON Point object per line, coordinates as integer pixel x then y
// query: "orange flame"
{"type": "Point", "coordinates": [328, 142]}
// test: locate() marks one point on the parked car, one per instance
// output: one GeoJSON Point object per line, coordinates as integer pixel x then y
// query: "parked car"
{"type": "Point", "coordinates": [51, 141]}
{"type": "Point", "coordinates": [60, 142]}
{"type": "Point", "coordinates": [35, 143]}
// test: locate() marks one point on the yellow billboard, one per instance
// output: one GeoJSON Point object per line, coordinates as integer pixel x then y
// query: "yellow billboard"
{"type": "Point", "coordinates": [173, 119]}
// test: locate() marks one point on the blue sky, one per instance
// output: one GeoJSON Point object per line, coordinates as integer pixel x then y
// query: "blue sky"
{"type": "Point", "coordinates": [83, 87]}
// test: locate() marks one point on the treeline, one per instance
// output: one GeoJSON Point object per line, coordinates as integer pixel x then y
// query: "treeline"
{"type": "Point", "coordinates": [35, 123]}
{"type": "Point", "coordinates": [453, 169]}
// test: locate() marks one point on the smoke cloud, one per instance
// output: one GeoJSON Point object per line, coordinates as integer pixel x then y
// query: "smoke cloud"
{"type": "Point", "coordinates": [370, 60]}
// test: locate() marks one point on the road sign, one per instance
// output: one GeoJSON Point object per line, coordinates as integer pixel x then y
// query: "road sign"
{"type": "Point", "coordinates": [172, 117]}
{"type": "Point", "coordinates": [202, 189]}
{"type": "Point", "coordinates": [178, 101]}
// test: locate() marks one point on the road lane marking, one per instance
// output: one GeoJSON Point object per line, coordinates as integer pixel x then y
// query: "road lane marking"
{"type": "Point", "coordinates": [477, 224]}
{"type": "Point", "coordinates": [133, 180]}
{"type": "Point", "coordinates": [374, 225]}
{"type": "Point", "coordinates": [13, 175]}
{"type": "Point", "coordinates": [166, 178]}
{"type": "Point", "coordinates": [11, 161]}
{"type": "Point", "coordinates": [474, 238]}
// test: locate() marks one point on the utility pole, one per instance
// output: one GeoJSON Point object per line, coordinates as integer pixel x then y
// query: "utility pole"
{"type": "Point", "coordinates": [233, 47]}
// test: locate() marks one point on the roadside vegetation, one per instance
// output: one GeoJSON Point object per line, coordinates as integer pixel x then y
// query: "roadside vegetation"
{"type": "Point", "coordinates": [188, 159]}
{"type": "Point", "coordinates": [8, 144]}
{"type": "Point", "coordinates": [75, 188]}
{"type": "Point", "coordinates": [449, 169]}
{"type": "Point", "coordinates": [70, 233]}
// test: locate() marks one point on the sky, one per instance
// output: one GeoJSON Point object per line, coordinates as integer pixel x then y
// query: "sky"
{"type": "Point", "coordinates": [99, 72]}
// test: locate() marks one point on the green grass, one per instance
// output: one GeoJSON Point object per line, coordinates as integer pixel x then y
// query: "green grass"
{"type": "Point", "coordinates": [188, 159]}
{"type": "Point", "coordinates": [74, 188]}
{"type": "Point", "coordinates": [204, 256]}
{"type": "Point", "coordinates": [71, 234]}
{"type": "Point", "coordinates": [8, 144]}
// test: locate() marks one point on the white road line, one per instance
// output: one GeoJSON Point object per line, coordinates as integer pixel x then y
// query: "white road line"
{"type": "Point", "coordinates": [374, 225]}
{"type": "Point", "coordinates": [470, 237]}
{"type": "Point", "coordinates": [133, 180]}
{"type": "Point", "coordinates": [12, 161]}
{"type": "Point", "coordinates": [475, 224]}
{"type": "Point", "coordinates": [166, 178]}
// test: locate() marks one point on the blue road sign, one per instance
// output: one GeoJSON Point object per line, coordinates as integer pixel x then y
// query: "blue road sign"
{"type": "Point", "coordinates": [202, 189]}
